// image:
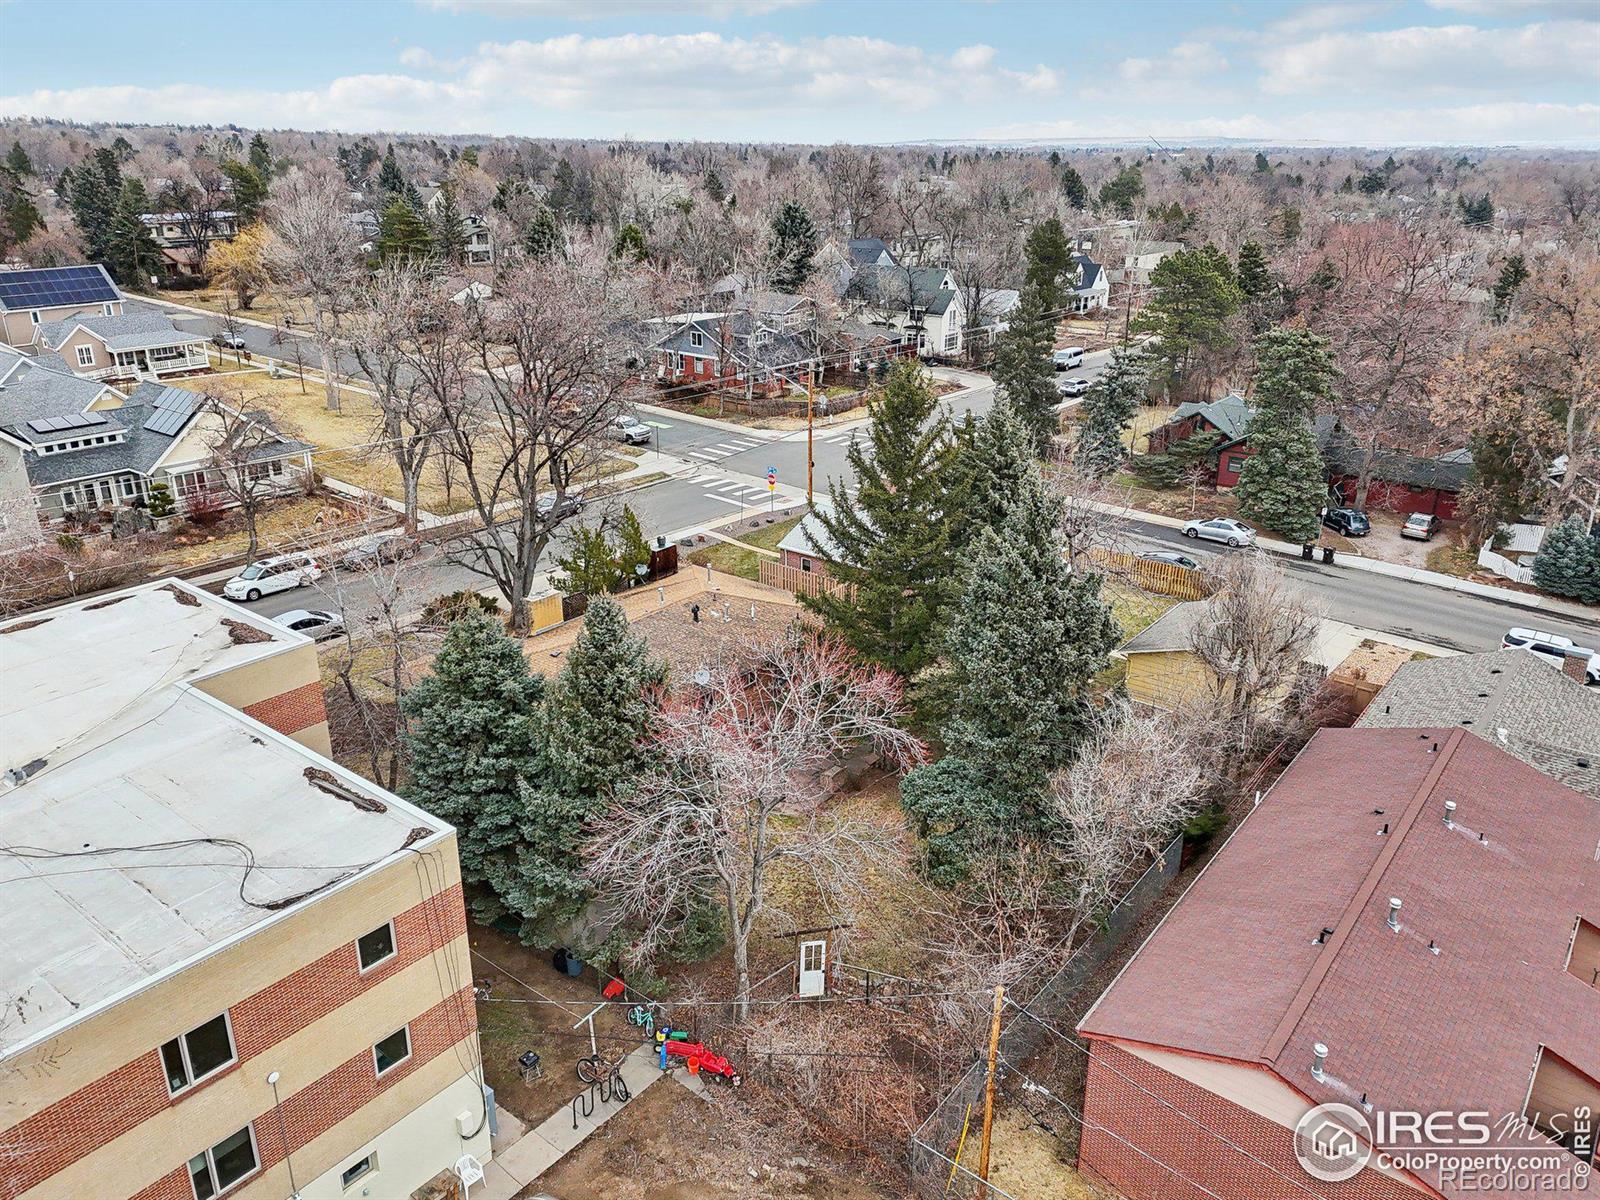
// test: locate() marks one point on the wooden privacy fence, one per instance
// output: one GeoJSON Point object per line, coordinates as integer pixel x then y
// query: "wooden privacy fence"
{"type": "Point", "coordinates": [1165, 578]}
{"type": "Point", "coordinates": [793, 579]}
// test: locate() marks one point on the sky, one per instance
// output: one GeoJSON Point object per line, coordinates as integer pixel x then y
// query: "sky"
{"type": "Point", "coordinates": [1366, 72]}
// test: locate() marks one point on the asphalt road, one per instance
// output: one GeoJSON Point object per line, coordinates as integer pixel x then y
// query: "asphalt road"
{"type": "Point", "coordinates": [734, 459]}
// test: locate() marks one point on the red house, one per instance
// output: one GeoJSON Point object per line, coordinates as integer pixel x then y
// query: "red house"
{"type": "Point", "coordinates": [1359, 942]}
{"type": "Point", "coordinates": [717, 350]}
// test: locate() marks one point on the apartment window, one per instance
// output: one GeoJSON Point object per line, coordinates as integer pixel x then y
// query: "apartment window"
{"type": "Point", "coordinates": [950, 340]}
{"type": "Point", "coordinates": [375, 947]}
{"type": "Point", "coordinates": [216, 1170]}
{"type": "Point", "coordinates": [1562, 1104]}
{"type": "Point", "coordinates": [201, 1052]}
{"type": "Point", "coordinates": [359, 1169]}
{"type": "Point", "coordinates": [393, 1050]}
{"type": "Point", "coordinates": [86, 356]}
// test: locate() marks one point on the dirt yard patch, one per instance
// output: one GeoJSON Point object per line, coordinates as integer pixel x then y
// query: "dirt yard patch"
{"type": "Point", "coordinates": [670, 1144]}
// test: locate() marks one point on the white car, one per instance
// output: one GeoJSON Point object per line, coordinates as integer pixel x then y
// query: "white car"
{"type": "Point", "coordinates": [1554, 649]}
{"type": "Point", "coordinates": [316, 624]}
{"type": "Point", "coordinates": [1221, 529]}
{"type": "Point", "coordinates": [1072, 387]}
{"type": "Point", "coordinates": [273, 575]}
{"type": "Point", "coordinates": [631, 431]}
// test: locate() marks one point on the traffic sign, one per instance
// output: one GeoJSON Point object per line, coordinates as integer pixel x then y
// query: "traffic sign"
{"type": "Point", "coordinates": [772, 479]}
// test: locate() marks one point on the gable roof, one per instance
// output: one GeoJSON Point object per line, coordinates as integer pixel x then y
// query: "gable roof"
{"type": "Point", "coordinates": [772, 347]}
{"type": "Point", "coordinates": [38, 389]}
{"type": "Point", "coordinates": [866, 250]}
{"type": "Point", "coordinates": [1091, 274]}
{"type": "Point", "coordinates": [1230, 415]}
{"type": "Point", "coordinates": [809, 536]}
{"type": "Point", "coordinates": [1172, 630]}
{"type": "Point", "coordinates": [130, 331]}
{"type": "Point", "coordinates": [1510, 698]}
{"type": "Point", "coordinates": [56, 287]}
{"type": "Point", "coordinates": [1236, 970]}
{"type": "Point", "coordinates": [899, 287]}
{"type": "Point", "coordinates": [1447, 471]}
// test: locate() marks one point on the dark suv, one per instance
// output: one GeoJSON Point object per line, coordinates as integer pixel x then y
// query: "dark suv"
{"type": "Point", "coordinates": [1351, 522]}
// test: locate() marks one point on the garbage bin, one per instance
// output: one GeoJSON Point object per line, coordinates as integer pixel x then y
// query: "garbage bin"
{"type": "Point", "coordinates": [1305, 551]}
{"type": "Point", "coordinates": [1327, 554]}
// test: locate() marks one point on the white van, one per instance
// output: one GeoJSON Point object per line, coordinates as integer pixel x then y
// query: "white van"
{"type": "Point", "coordinates": [1071, 357]}
{"type": "Point", "coordinates": [273, 575]}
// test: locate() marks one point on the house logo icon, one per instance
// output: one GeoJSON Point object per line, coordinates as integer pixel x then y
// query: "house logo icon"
{"type": "Point", "coordinates": [1332, 1142]}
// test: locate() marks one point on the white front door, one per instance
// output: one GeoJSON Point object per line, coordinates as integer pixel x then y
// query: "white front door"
{"type": "Point", "coordinates": [813, 978]}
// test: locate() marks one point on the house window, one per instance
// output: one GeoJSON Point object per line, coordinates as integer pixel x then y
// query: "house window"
{"type": "Point", "coordinates": [216, 1170]}
{"type": "Point", "coordinates": [697, 339]}
{"type": "Point", "coordinates": [375, 947]}
{"type": "Point", "coordinates": [1583, 957]}
{"type": "Point", "coordinates": [130, 487]}
{"type": "Point", "coordinates": [86, 356]}
{"type": "Point", "coordinates": [1235, 463]}
{"type": "Point", "coordinates": [198, 1054]}
{"type": "Point", "coordinates": [34, 316]}
{"type": "Point", "coordinates": [393, 1050]}
{"type": "Point", "coordinates": [950, 340]}
{"type": "Point", "coordinates": [359, 1169]}
{"type": "Point", "coordinates": [108, 309]}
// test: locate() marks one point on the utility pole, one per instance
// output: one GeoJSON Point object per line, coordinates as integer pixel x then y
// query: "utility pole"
{"type": "Point", "coordinates": [810, 432]}
{"type": "Point", "coordinates": [988, 1089]}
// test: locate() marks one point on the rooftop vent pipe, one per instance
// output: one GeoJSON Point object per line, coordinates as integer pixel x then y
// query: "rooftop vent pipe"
{"type": "Point", "coordinates": [1449, 814]}
{"type": "Point", "coordinates": [1394, 913]}
{"type": "Point", "coordinates": [1319, 1062]}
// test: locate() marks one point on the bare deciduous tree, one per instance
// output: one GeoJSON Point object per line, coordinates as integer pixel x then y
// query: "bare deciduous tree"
{"type": "Point", "coordinates": [556, 350]}
{"type": "Point", "coordinates": [393, 311]}
{"type": "Point", "coordinates": [735, 793]}
{"type": "Point", "coordinates": [315, 253]}
{"type": "Point", "coordinates": [242, 466]}
{"type": "Point", "coordinates": [1253, 637]}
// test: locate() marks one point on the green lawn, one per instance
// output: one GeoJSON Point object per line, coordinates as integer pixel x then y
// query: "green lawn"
{"type": "Point", "coordinates": [737, 560]}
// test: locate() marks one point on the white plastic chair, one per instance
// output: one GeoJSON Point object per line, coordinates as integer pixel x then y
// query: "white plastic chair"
{"type": "Point", "coordinates": [470, 1171]}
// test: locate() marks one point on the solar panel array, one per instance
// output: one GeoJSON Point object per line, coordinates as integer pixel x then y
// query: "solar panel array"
{"type": "Point", "coordinates": [55, 287]}
{"type": "Point", "coordinates": [60, 424]}
{"type": "Point", "coordinates": [169, 412]}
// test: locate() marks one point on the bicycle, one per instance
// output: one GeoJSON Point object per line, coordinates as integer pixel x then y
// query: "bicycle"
{"type": "Point", "coordinates": [642, 1016]}
{"type": "Point", "coordinates": [597, 1070]}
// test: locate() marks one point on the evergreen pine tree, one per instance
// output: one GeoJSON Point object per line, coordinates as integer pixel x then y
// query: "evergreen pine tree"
{"type": "Point", "coordinates": [1023, 370]}
{"type": "Point", "coordinates": [132, 256]}
{"type": "Point", "coordinates": [629, 245]}
{"type": "Point", "coordinates": [633, 548]}
{"type": "Point", "coordinates": [261, 158]}
{"type": "Point", "coordinates": [590, 564]}
{"type": "Point", "coordinates": [473, 725]}
{"type": "Point", "coordinates": [1512, 276]}
{"type": "Point", "coordinates": [448, 228]}
{"type": "Point", "coordinates": [1568, 563]}
{"type": "Point", "coordinates": [402, 233]}
{"type": "Point", "coordinates": [794, 245]}
{"type": "Point", "coordinates": [1072, 184]}
{"type": "Point", "coordinates": [19, 216]}
{"type": "Point", "coordinates": [715, 188]}
{"type": "Point", "coordinates": [992, 465]}
{"type": "Point", "coordinates": [249, 190]}
{"type": "Point", "coordinates": [891, 541]}
{"type": "Point", "coordinates": [93, 191]}
{"type": "Point", "coordinates": [543, 238]}
{"type": "Point", "coordinates": [1254, 278]}
{"type": "Point", "coordinates": [1283, 484]}
{"type": "Point", "coordinates": [1050, 269]}
{"type": "Point", "coordinates": [390, 180]}
{"type": "Point", "coordinates": [1107, 411]}
{"type": "Point", "coordinates": [19, 162]}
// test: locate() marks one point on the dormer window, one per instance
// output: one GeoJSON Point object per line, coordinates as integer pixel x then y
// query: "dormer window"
{"type": "Point", "coordinates": [1562, 1104]}
{"type": "Point", "coordinates": [1583, 957]}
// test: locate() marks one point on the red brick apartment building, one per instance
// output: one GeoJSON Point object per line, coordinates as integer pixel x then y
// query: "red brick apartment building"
{"type": "Point", "coordinates": [228, 966]}
{"type": "Point", "coordinates": [1408, 922]}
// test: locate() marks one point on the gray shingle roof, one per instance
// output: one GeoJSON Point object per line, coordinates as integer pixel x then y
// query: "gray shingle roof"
{"type": "Point", "coordinates": [131, 331]}
{"type": "Point", "coordinates": [868, 250]}
{"type": "Point", "coordinates": [900, 287]}
{"type": "Point", "coordinates": [1091, 272]}
{"type": "Point", "coordinates": [773, 347]}
{"type": "Point", "coordinates": [35, 388]}
{"type": "Point", "coordinates": [1173, 630]}
{"type": "Point", "coordinates": [1448, 471]}
{"type": "Point", "coordinates": [138, 452]}
{"type": "Point", "coordinates": [1509, 698]}
{"type": "Point", "coordinates": [1230, 414]}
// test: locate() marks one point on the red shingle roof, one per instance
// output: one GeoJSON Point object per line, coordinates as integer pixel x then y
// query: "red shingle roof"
{"type": "Point", "coordinates": [1235, 970]}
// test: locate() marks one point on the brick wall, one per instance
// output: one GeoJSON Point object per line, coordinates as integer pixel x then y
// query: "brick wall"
{"type": "Point", "coordinates": [119, 1101]}
{"type": "Point", "coordinates": [1115, 1106]}
{"type": "Point", "coordinates": [291, 711]}
{"type": "Point", "coordinates": [319, 1106]}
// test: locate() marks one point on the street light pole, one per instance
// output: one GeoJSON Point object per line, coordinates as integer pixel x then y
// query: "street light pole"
{"type": "Point", "coordinates": [810, 432]}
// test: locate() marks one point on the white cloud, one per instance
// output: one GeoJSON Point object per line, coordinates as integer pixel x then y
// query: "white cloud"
{"type": "Point", "coordinates": [1186, 62]}
{"type": "Point", "coordinates": [682, 85]}
{"type": "Point", "coordinates": [1438, 57]}
{"type": "Point", "coordinates": [1575, 9]}
{"type": "Point", "coordinates": [595, 10]}
{"type": "Point", "coordinates": [1318, 18]}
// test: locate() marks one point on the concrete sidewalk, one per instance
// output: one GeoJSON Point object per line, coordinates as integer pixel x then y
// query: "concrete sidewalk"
{"type": "Point", "coordinates": [1378, 567]}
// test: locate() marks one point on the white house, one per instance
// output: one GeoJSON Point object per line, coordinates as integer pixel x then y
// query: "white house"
{"type": "Point", "coordinates": [920, 301]}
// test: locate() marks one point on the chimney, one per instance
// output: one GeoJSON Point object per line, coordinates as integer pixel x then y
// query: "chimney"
{"type": "Point", "coordinates": [1394, 913]}
{"type": "Point", "coordinates": [1319, 1062]}
{"type": "Point", "coordinates": [1449, 814]}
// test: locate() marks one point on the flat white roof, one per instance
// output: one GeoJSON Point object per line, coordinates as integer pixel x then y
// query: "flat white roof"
{"type": "Point", "coordinates": [156, 824]}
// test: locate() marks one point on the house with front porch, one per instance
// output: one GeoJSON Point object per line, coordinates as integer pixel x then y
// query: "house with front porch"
{"type": "Point", "coordinates": [1091, 287]}
{"type": "Point", "coordinates": [140, 345]}
{"type": "Point", "coordinates": [923, 302]}
{"type": "Point", "coordinates": [72, 447]}
{"type": "Point", "coordinates": [733, 351]}
{"type": "Point", "coordinates": [35, 297]}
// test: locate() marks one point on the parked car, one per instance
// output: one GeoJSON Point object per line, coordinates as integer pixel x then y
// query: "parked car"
{"type": "Point", "coordinates": [1421, 526]}
{"type": "Point", "coordinates": [1169, 556]}
{"type": "Point", "coordinates": [317, 625]}
{"type": "Point", "coordinates": [1066, 359]}
{"type": "Point", "coordinates": [1351, 522]}
{"type": "Point", "coordinates": [273, 575]}
{"type": "Point", "coordinates": [1221, 529]}
{"type": "Point", "coordinates": [380, 548]}
{"type": "Point", "coordinates": [228, 341]}
{"type": "Point", "coordinates": [1072, 387]}
{"type": "Point", "coordinates": [631, 431]}
{"type": "Point", "coordinates": [569, 505]}
{"type": "Point", "coordinates": [1554, 649]}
